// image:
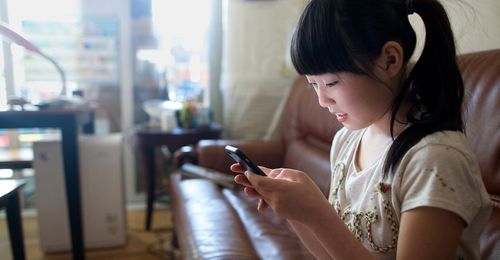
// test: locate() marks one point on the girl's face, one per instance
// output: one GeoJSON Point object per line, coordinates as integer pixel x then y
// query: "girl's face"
{"type": "Point", "coordinates": [357, 101]}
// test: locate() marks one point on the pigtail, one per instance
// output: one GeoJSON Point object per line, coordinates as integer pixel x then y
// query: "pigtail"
{"type": "Point", "coordinates": [435, 84]}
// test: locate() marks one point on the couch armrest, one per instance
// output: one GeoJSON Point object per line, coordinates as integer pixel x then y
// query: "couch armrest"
{"type": "Point", "coordinates": [186, 154]}
{"type": "Point", "coordinates": [211, 153]}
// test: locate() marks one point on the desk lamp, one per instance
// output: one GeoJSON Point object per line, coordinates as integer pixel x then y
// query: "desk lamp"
{"type": "Point", "coordinates": [7, 32]}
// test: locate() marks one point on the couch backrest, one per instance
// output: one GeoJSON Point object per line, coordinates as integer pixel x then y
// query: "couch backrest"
{"type": "Point", "coordinates": [481, 74]}
{"type": "Point", "coordinates": [307, 130]}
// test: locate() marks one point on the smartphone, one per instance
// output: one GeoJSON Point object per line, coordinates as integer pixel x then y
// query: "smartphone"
{"type": "Point", "coordinates": [239, 157]}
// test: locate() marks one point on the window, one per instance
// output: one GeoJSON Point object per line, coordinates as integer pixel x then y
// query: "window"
{"type": "Point", "coordinates": [84, 46]}
{"type": "Point", "coordinates": [182, 28]}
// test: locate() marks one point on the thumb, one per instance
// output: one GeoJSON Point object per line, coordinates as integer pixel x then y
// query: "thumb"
{"type": "Point", "coordinates": [262, 183]}
{"type": "Point", "coordinates": [254, 178]}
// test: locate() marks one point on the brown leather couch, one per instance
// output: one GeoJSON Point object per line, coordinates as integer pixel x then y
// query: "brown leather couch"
{"type": "Point", "coordinates": [220, 223]}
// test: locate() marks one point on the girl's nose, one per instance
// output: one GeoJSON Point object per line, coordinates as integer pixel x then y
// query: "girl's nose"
{"type": "Point", "coordinates": [323, 99]}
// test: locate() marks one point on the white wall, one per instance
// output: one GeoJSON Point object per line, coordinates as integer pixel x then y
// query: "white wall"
{"type": "Point", "coordinates": [255, 76]}
{"type": "Point", "coordinates": [475, 24]}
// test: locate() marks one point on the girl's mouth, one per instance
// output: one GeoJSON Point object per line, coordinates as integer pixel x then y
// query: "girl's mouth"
{"type": "Point", "coordinates": [341, 117]}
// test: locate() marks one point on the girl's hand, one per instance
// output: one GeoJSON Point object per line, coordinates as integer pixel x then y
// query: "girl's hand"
{"type": "Point", "coordinates": [242, 180]}
{"type": "Point", "coordinates": [290, 193]}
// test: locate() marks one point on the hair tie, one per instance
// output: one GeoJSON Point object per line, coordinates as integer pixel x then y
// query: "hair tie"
{"type": "Point", "coordinates": [409, 7]}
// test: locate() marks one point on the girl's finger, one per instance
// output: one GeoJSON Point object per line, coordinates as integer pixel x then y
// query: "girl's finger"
{"type": "Point", "coordinates": [236, 167]}
{"type": "Point", "coordinates": [265, 169]}
{"type": "Point", "coordinates": [251, 192]}
{"type": "Point", "coordinates": [242, 180]}
{"type": "Point", "coordinates": [263, 206]}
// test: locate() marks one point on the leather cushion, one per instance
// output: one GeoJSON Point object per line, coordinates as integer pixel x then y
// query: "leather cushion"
{"type": "Point", "coordinates": [271, 236]}
{"type": "Point", "coordinates": [206, 225]}
{"type": "Point", "coordinates": [490, 236]}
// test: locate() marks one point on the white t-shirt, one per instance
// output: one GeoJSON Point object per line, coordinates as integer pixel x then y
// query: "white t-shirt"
{"type": "Point", "coordinates": [439, 171]}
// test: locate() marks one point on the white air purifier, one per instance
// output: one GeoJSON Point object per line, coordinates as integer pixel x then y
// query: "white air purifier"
{"type": "Point", "coordinates": [102, 193]}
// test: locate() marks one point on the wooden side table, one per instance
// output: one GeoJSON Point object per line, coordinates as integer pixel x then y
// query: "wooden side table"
{"type": "Point", "coordinates": [9, 199]}
{"type": "Point", "coordinates": [146, 139]}
{"type": "Point", "coordinates": [69, 122]}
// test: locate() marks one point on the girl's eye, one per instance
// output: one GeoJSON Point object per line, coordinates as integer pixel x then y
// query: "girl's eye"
{"type": "Point", "coordinates": [331, 84]}
{"type": "Point", "coordinates": [328, 85]}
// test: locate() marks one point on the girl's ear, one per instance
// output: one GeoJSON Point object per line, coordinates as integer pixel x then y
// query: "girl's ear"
{"type": "Point", "coordinates": [391, 59]}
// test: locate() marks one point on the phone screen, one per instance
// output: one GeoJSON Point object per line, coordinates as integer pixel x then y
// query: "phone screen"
{"type": "Point", "coordinates": [240, 157]}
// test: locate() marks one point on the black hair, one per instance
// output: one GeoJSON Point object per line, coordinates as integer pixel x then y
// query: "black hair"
{"type": "Point", "coordinates": [348, 35]}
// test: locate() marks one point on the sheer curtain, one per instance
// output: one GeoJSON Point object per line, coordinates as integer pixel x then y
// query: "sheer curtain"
{"type": "Point", "coordinates": [256, 72]}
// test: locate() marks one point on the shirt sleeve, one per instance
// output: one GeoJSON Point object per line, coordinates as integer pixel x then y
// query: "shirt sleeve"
{"type": "Point", "coordinates": [440, 176]}
{"type": "Point", "coordinates": [337, 142]}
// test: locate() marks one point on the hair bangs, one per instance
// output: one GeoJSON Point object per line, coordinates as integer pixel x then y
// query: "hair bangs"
{"type": "Point", "coordinates": [315, 52]}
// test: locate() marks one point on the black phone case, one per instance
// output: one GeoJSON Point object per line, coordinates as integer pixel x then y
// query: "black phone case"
{"type": "Point", "coordinates": [240, 157]}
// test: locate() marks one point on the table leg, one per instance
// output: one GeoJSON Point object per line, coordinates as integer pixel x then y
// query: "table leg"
{"type": "Point", "coordinates": [72, 182]}
{"type": "Point", "coordinates": [14, 221]}
{"type": "Point", "coordinates": [148, 161]}
{"type": "Point", "coordinates": [89, 128]}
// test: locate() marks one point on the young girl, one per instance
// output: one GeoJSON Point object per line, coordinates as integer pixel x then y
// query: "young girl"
{"type": "Point", "coordinates": [404, 182]}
